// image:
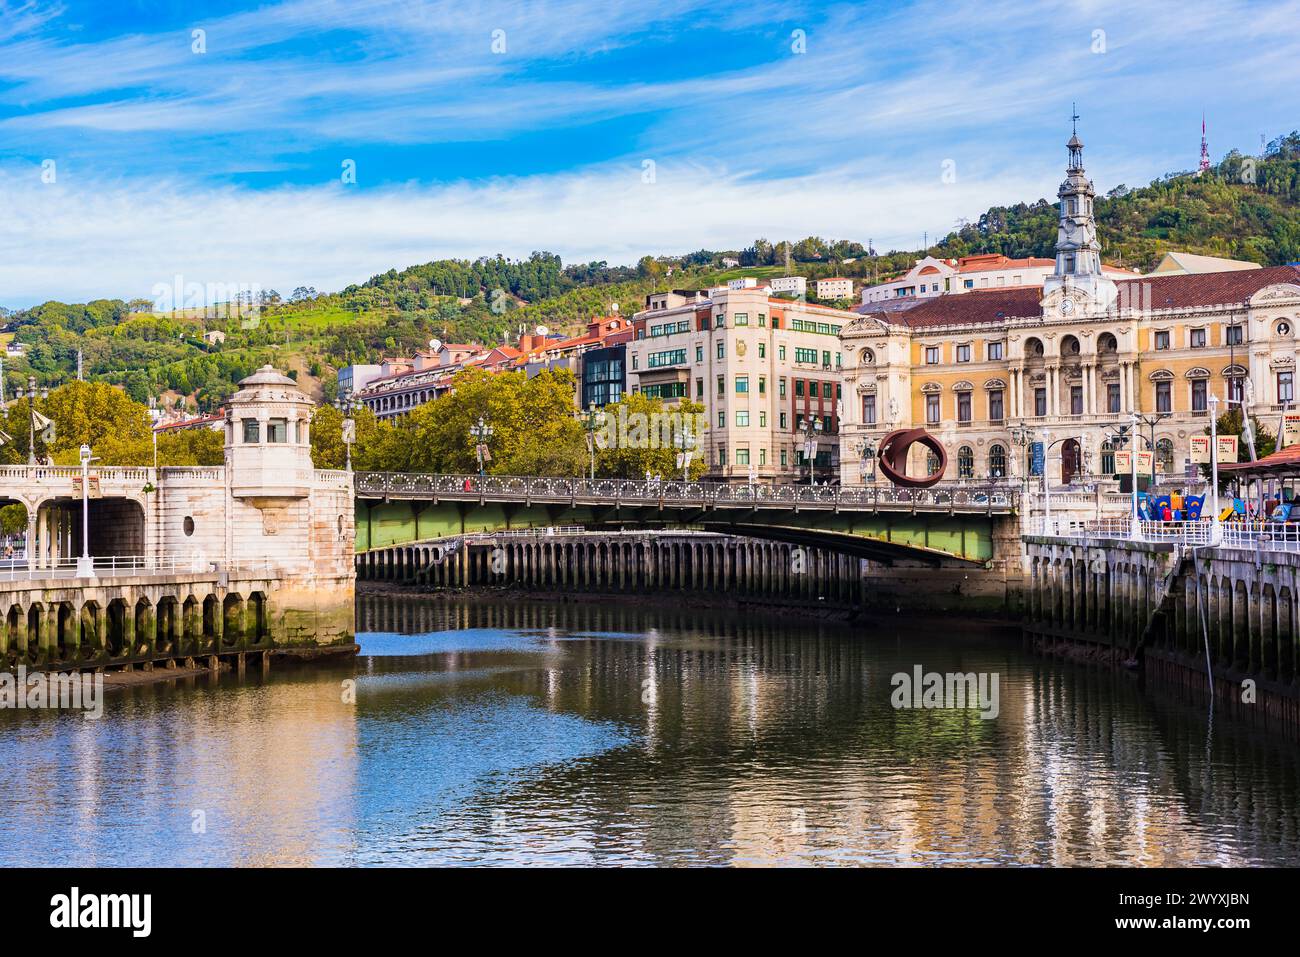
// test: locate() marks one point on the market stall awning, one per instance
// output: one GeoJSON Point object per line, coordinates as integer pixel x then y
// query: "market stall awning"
{"type": "Point", "coordinates": [1284, 463]}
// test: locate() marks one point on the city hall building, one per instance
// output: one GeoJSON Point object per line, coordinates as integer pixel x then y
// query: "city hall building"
{"type": "Point", "coordinates": [993, 372]}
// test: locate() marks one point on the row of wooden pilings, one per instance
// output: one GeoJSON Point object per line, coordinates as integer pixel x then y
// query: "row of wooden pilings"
{"type": "Point", "coordinates": [624, 563]}
{"type": "Point", "coordinates": [1165, 606]}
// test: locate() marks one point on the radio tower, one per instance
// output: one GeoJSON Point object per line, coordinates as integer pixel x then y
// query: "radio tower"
{"type": "Point", "coordinates": [1205, 147]}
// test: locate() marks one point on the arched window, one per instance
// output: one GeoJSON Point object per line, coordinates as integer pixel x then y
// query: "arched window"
{"type": "Point", "coordinates": [997, 462]}
{"type": "Point", "coordinates": [931, 463]}
{"type": "Point", "coordinates": [1165, 456]}
{"type": "Point", "coordinates": [965, 462]}
{"type": "Point", "coordinates": [1107, 458]}
{"type": "Point", "coordinates": [1107, 343]}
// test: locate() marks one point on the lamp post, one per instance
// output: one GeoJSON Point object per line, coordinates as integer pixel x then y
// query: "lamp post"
{"type": "Point", "coordinates": [347, 405]}
{"type": "Point", "coordinates": [1150, 421]}
{"type": "Point", "coordinates": [85, 564]}
{"type": "Point", "coordinates": [1135, 526]}
{"type": "Point", "coordinates": [31, 419]}
{"type": "Point", "coordinates": [1216, 527]}
{"type": "Point", "coordinates": [686, 442]}
{"type": "Point", "coordinates": [481, 432]}
{"type": "Point", "coordinates": [1022, 437]}
{"type": "Point", "coordinates": [595, 421]}
{"type": "Point", "coordinates": [1047, 488]}
{"type": "Point", "coordinates": [812, 427]}
{"type": "Point", "coordinates": [866, 449]}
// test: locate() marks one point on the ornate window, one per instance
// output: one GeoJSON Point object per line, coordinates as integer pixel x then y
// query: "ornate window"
{"type": "Point", "coordinates": [1165, 456]}
{"type": "Point", "coordinates": [1107, 458]}
{"type": "Point", "coordinates": [965, 462]}
{"type": "Point", "coordinates": [1163, 380]}
{"type": "Point", "coordinates": [997, 461]}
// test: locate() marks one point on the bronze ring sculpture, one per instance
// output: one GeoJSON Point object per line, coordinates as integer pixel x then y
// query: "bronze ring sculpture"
{"type": "Point", "coordinates": [892, 455]}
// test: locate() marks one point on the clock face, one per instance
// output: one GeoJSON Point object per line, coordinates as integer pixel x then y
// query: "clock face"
{"type": "Point", "coordinates": [1067, 306]}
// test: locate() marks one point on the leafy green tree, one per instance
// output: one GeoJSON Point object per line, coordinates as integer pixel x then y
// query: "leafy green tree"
{"type": "Point", "coordinates": [192, 447]}
{"type": "Point", "coordinates": [641, 435]}
{"type": "Point", "coordinates": [533, 424]}
{"type": "Point", "coordinates": [376, 447]}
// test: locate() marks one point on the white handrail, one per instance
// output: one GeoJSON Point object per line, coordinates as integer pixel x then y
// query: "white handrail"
{"type": "Point", "coordinates": [112, 566]}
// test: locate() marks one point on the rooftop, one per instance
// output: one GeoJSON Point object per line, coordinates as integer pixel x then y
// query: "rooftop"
{"type": "Point", "coordinates": [1173, 291]}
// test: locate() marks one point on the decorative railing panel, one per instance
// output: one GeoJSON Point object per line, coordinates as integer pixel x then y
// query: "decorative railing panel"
{"type": "Point", "coordinates": [944, 497]}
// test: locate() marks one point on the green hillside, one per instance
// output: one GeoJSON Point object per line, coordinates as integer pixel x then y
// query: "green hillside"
{"type": "Point", "coordinates": [1243, 208]}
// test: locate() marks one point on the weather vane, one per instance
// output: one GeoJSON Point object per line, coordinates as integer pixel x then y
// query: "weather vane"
{"type": "Point", "coordinates": [1074, 117]}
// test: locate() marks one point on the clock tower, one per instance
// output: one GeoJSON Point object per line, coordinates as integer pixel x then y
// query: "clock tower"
{"type": "Point", "coordinates": [1077, 285]}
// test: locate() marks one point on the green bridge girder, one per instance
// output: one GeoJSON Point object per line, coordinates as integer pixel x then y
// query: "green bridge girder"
{"type": "Point", "coordinates": [884, 536]}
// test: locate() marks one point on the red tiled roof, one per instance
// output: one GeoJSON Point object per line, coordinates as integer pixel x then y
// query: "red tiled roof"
{"type": "Point", "coordinates": [1204, 289]}
{"type": "Point", "coordinates": [1141, 292]}
{"type": "Point", "coordinates": [976, 306]}
{"type": "Point", "coordinates": [192, 423]}
{"type": "Point", "coordinates": [998, 261]}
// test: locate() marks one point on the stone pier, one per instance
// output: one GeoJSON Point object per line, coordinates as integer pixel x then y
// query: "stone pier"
{"type": "Point", "coordinates": [1159, 605]}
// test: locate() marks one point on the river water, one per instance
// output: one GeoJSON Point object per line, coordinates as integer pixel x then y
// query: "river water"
{"type": "Point", "coordinates": [526, 733]}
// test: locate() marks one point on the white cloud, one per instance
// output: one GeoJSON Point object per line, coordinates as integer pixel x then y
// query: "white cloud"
{"type": "Point", "coordinates": [843, 141]}
{"type": "Point", "coordinates": [84, 240]}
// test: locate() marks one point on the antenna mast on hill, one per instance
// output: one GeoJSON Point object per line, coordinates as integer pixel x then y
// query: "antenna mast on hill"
{"type": "Point", "coordinates": [1205, 148]}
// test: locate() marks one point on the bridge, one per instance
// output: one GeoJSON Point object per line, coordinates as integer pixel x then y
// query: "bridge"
{"type": "Point", "coordinates": [946, 523]}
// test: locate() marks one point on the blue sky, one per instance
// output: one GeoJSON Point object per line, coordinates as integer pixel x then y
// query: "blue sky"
{"type": "Point", "coordinates": [780, 119]}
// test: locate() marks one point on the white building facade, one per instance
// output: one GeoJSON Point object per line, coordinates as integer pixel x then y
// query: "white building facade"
{"type": "Point", "coordinates": [767, 371]}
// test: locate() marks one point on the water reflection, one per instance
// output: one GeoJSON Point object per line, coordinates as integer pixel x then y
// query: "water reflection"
{"type": "Point", "coordinates": [568, 734]}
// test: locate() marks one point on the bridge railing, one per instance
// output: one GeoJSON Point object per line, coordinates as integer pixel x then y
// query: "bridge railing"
{"type": "Point", "coordinates": [64, 473]}
{"type": "Point", "coordinates": [110, 566]}
{"type": "Point", "coordinates": [1254, 536]}
{"type": "Point", "coordinates": [992, 497]}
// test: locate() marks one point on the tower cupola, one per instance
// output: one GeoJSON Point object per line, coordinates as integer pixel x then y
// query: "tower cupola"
{"type": "Point", "coordinates": [268, 437]}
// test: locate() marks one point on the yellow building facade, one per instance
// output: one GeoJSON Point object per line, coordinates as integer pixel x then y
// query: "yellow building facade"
{"type": "Point", "coordinates": [1066, 364]}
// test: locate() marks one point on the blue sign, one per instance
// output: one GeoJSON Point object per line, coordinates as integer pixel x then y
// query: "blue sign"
{"type": "Point", "coordinates": [1037, 458]}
